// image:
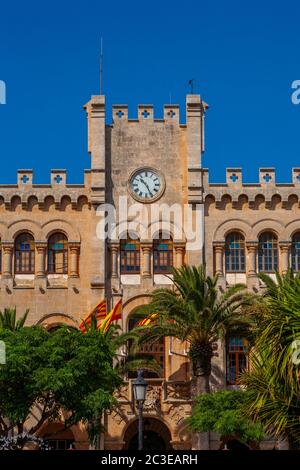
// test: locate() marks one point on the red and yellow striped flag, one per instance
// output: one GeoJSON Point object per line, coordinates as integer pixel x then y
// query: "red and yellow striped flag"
{"type": "Point", "coordinates": [99, 312]}
{"type": "Point", "coordinates": [114, 315]}
{"type": "Point", "coordinates": [148, 320]}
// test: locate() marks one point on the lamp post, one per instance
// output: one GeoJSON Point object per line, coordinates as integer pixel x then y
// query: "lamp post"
{"type": "Point", "coordinates": [139, 392]}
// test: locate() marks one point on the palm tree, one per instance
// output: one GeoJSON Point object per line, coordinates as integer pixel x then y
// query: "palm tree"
{"type": "Point", "coordinates": [196, 312]}
{"type": "Point", "coordinates": [274, 377]}
{"type": "Point", "coordinates": [8, 319]}
{"type": "Point", "coordinates": [123, 344]}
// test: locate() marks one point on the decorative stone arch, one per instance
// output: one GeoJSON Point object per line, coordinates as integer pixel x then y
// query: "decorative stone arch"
{"type": "Point", "coordinates": [268, 225]}
{"type": "Point", "coordinates": [225, 202]}
{"type": "Point", "coordinates": [276, 202]}
{"type": "Point", "coordinates": [242, 201]}
{"type": "Point", "coordinates": [123, 228]}
{"type": "Point", "coordinates": [131, 304]}
{"type": "Point", "coordinates": [173, 230]}
{"type": "Point", "coordinates": [259, 201]}
{"type": "Point", "coordinates": [182, 434]}
{"type": "Point", "coordinates": [65, 202]}
{"type": "Point", "coordinates": [48, 202]}
{"type": "Point", "coordinates": [209, 197]}
{"type": "Point", "coordinates": [3, 231]}
{"type": "Point", "coordinates": [56, 430]}
{"type": "Point", "coordinates": [131, 233]}
{"type": "Point", "coordinates": [31, 200]}
{"type": "Point", "coordinates": [24, 225]}
{"type": "Point", "coordinates": [153, 424]}
{"type": "Point", "coordinates": [59, 225]}
{"type": "Point", "coordinates": [209, 203]}
{"type": "Point", "coordinates": [233, 225]}
{"type": "Point", "coordinates": [290, 229]}
{"type": "Point", "coordinates": [292, 201]}
{"type": "Point", "coordinates": [15, 201]}
{"type": "Point", "coordinates": [82, 202]}
{"type": "Point", "coordinates": [55, 319]}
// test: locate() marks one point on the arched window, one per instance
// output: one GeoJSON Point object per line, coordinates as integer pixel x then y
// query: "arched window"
{"type": "Point", "coordinates": [155, 350]}
{"type": "Point", "coordinates": [235, 253]}
{"type": "Point", "coordinates": [58, 254]}
{"type": "Point", "coordinates": [0, 256]}
{"type": "Point", "coordinates": [236, 358]}
{"type": "Point", "coordinates": [130, 256]}
{"type": "Point", "coordinates": [24, 254]}
{"type": "Point", "coordinates": [162, 254]}
{"type": "Point", "coordinates": [296, 252]}
{"type": "Point", "coordinates": [267, 252]}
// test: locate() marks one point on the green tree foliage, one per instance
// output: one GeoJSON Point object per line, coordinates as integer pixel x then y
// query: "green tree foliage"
{"type": "Point", "coordinates": [273, 381]}
{"type": "Point", "coordinates": [195, 311]}
{"type": "Point", "coordinates": [221, 412]}
{"type": "Point", "coordinates": [8, 319]}
{"type": "Point", "coordinates": [47, 372]}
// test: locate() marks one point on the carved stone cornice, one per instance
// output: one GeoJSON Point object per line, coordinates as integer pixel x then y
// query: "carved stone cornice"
{"type": "Point", "coordinates": [252, 245]}
{"type": "Point", "coordinates": [219, 245]}
{"type": "Point", "coordinates": [285, 245]}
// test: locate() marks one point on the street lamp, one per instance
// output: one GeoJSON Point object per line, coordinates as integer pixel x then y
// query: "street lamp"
{"type": "Point", "coordinates": [139, 392]}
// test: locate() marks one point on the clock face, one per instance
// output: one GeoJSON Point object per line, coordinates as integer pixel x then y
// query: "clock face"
{"type": "Point", "coordinates": [146, 185]}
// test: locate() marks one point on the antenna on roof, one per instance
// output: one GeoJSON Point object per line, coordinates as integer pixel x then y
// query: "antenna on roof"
{"type": "Point", "coordinates": [101, 64]}
{"type": "Point", "coordinates": [191, 84]}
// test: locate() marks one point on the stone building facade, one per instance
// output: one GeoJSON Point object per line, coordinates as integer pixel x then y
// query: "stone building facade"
{"type": "Point", "coordinates": [55, 261]}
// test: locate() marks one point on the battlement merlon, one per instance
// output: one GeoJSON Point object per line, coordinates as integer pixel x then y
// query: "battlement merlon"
{"type": "Point", "coordinates": [26, 193]}
{"type": "Point", "coordinates": [95, 110]}
{"type": "Point", "coordinates": [195, 110]}
{"type": "Point", "coordinates": [194, 129]}
{"type": "Point", "coordinates": [171, 113]}
{"type": "Point", "coordinates": [266, 185]}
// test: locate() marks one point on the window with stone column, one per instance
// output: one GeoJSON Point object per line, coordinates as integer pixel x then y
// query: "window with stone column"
{"type": "Point", "coordinates": [24, 254]}
{"type": "Point", "coordinates": [58, 254]}
{"type": "Point", "coordinates": [163, 254]}
{"type": "Point", "coordinates": [268, 252]}
{"type": "Point", "coordinates": [235, 253]}
{"type": "Point", "coordinates": [236, 358]}
{"type": "Point", "coordinates": [130, 256]}
{"type": "Point", "coordinates": [295, 252]}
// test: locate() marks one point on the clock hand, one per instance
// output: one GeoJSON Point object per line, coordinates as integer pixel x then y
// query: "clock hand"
{"type": "Point", "coordinates": [146, 186]}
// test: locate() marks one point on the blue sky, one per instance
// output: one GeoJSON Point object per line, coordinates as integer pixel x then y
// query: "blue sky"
{"type": "Point", "coordinates": [244, 56]}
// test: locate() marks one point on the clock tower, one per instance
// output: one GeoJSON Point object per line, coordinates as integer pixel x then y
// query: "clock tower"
{"type": "Point", "coordinates": [150, 170]}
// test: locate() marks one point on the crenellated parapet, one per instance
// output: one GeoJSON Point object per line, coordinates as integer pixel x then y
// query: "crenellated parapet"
{"type": "Point", "coordinates": [265, 192]}
{"type": "Point", "coordinates": [145, 114]}
{"type": "Point", "coordinates": [195, 108]}
{"type": "Point", "coordinates": [58, 193]}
